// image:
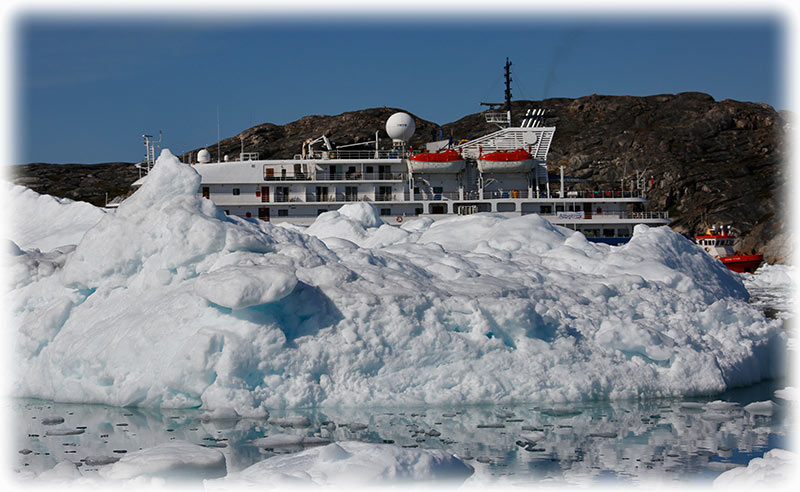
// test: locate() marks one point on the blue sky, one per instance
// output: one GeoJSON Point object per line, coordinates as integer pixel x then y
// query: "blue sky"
{"type": "Point", "coordinates": [87, 88]}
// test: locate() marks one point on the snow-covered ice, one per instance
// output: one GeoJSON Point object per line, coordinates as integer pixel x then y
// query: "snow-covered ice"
{"type": "Point", "coordinates": [175, 460]}
{"type": "Point", "coordinates": [45, 222]}
{"type": "Point", "coordinates": [773, 287]}
{"type": "Point", "coordinates": [350, 463]}
{"type": "Point", "coordinates": [169, 302]}
{"type": "Point", "coordinates": [777, 467]}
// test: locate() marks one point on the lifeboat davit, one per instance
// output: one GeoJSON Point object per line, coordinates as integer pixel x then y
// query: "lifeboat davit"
{"type": "Point", "coordinates": [506, 161]}
{"type": "Point", "coordinates": [446, 161]}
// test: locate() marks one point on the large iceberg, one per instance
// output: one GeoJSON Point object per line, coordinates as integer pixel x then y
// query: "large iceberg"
{"type": "Point", "coordinates": [169, 302]}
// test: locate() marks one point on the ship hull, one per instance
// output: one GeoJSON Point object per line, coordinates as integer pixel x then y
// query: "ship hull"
{"type": "Point", "coordinates": [742, 263]}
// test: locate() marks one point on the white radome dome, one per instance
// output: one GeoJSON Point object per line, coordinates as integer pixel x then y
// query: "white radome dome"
{"type": "Point", "coordinates": [400, 127]}
{"type": "Point", "coordinates": [204, 156]}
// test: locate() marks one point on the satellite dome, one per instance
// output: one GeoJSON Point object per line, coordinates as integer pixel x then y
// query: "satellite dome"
{"type": "Point", "coordinates": [400, 127]}
{"type": "Point", "coordinates": [204, 156]}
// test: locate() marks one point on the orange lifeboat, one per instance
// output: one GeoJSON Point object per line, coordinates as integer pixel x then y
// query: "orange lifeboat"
{"type": "Point", "coordinates": [444, 161]}
{"type": "Point", "coordinates": [506, 161]}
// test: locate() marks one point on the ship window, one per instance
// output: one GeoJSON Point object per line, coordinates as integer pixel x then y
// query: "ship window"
{"type": "Point", "coordinates": [282, 212]}
{"type": "Point", "coordinates": [418, 211]}
{"type": "Point", "coordinates": [386, 211]}
{"type": "Point", "coordinates": [546, 209]}
{"type": "Point", "coordinates": [608, 232]}
{"type": "Point", "coordinates": [236, 191]}
{"type": "Point", "coordinates": [321, 211]}
{"type": "Point", "coordinates": [622, 233]}
{"type": "Point", "coordinates": [438, 209]}
{"type": "Point", "coordinates": [438, 190]}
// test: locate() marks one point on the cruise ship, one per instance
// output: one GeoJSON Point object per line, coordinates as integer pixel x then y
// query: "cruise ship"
{"type": "Point", "coordinates": [504, 172]}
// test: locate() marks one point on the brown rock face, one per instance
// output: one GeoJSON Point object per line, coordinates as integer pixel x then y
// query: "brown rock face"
{"type": "Point", "coordinates": [85, 182]}
{"type": "Point", "coordinates": [712, 162]}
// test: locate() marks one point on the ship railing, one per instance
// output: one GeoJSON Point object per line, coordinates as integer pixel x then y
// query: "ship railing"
{"type": "Point", "coordinates": [288, 177]}
{"type": "Point", "coordinates": [602, 194]}
{"type": "Point", "coordinates": [353, 197]}
{"type": "Point", "coordinates": [500, 117]}
{"type": "Point", "coordinates": [355, 154]}
{"type": "Point", "coordinates": [505, 194]}
{"type": "Point", "coordinates": [358, 176]}
{"type": "Point", "coordinates": [450, 195]}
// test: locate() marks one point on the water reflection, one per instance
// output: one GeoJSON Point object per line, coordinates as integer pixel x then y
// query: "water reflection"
{"type": "Point", "coordinates": [656, 440]}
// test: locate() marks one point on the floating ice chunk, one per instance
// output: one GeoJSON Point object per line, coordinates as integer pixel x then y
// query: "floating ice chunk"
{"type": "Point", "coordinates": [692, 406]}
{"type": "Point", "coordinates": [717, 416]}
{"type": "Point", "coordinates": [101, 460]}
{"type": "Point", "coordinates": [65, 471]}
{"type": "Point", "coordinates": [175, 459]}
{"type": "Point", "coordinates": [533, 437]}
{"type": "Point", "coordinates": [722, 406]}
{"type": "Point", "coordinates": [220, 413]}
{"type": "Point", "coordinates": [605, 435]}
{"type": "Point", "coordinates": [351, 464]}
{"type": "Point", "coordinates": [777, 467]}
{"type": "Point", "coordinates": [289, 440]}
{"type": "Point", "coordinates": [64, 432]}
{"type": "Point", "coordinates": [789, 393]}
{"type": "Point", "coordinates": [761, 407]}
{"type": "Point", "coordinates": [297, 422]}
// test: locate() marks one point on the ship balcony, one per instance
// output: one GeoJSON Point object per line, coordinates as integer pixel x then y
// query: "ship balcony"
{"type": "Point", "coordinates": [355, 197]}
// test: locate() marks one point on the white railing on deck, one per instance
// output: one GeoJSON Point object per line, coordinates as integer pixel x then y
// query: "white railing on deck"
{"type": "Point", "coordinates": [355, 154]}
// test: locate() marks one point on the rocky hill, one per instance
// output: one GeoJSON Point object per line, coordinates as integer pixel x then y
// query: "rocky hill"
{"type": "Point", "coordinates": [91, 183]}
{"type": "Point", "coordinates": [711, 161]}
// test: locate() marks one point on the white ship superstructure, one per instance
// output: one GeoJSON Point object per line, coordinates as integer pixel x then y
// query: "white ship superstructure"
{"type": "Point", "coordinates": [503, 172]}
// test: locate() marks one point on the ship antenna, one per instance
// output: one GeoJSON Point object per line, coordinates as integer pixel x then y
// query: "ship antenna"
{"type": "Point", "coordinates": [508, 89]}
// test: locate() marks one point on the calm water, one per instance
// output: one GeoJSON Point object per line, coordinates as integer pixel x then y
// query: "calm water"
{"type": "Point", "coordinates": [666, 440]}
{"type": "Point", "coordinates": [619, 441]}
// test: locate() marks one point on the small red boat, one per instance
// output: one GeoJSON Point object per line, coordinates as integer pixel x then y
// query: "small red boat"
{"type": "Point", "coordinates": [444, 161]}
{"type": "Point", "coordinates": [719, 243]}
